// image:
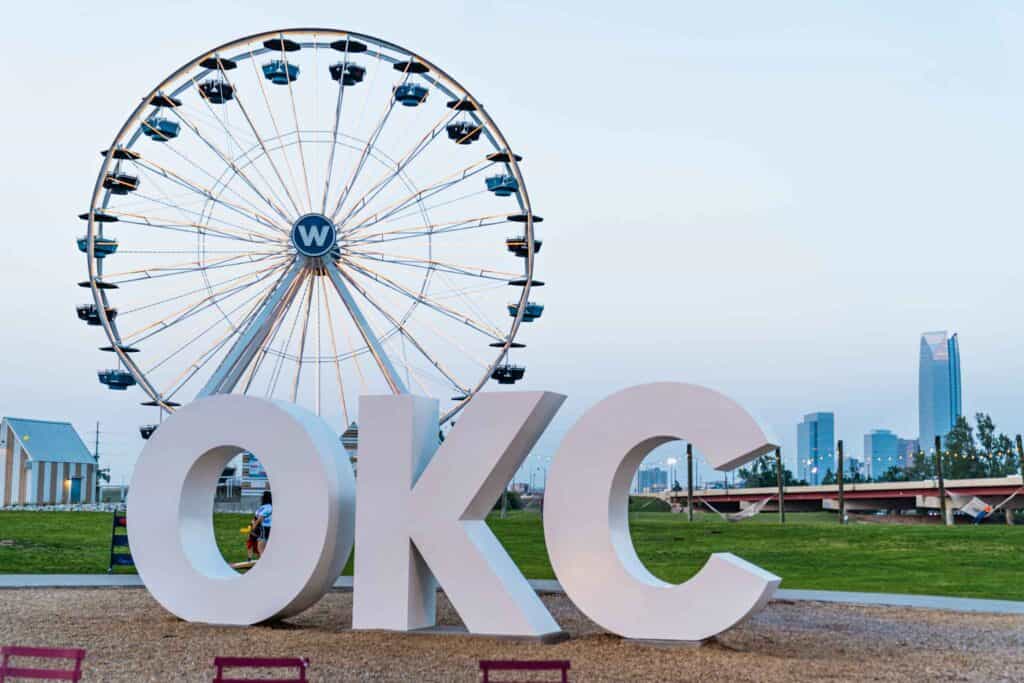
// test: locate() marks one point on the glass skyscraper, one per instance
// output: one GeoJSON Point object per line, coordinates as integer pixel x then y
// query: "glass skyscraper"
{"type": "Point", "coordinates": [881, 451]}
{"type": "Point", "coordinates": [939, 402]}
{"type": "Point", "coordinates": [815, 443]}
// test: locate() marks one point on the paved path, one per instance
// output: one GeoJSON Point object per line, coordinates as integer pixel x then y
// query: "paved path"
{"type": "Point", "coordinates": [549, 586]}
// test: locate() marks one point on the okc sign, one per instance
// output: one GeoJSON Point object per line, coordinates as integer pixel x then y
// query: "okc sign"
{"type": "Point", "coordinates": [418, 520]}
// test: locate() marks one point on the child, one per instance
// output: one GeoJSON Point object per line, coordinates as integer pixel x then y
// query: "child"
{"type": "Point", "coordinates": [264, 519]}
{"type": "Point", "coordinates": [252, 541]}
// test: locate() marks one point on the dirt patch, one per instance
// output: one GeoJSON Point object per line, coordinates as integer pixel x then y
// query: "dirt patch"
{"type": "Point", "coordinates": [131, 638]}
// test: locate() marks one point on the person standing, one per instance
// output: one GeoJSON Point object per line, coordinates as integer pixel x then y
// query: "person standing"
{"type": "Point", "coordinates": [264, 518]}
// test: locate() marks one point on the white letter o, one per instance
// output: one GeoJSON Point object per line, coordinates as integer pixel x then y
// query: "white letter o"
{"type": "Point", "coordinates": [170, 510]}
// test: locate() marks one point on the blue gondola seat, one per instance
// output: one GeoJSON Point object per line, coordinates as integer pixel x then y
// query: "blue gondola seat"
{"type": "Point", "coordinates": [503, 184]}
{"type": "Point", "coordinates": [120, 183]}
{"type": "Point", "coordinates": [348, 74]}
{"type": "Point", "coordinates": [531, 313]}
{"type": "Point", "coordinates": [464, 132]}
{"type": "Point", "coordinates": [90, 314]}
{"type": "Point", "coordinates": [279, 73]}
{"type": "Point", "coordinates": [104, 246]}
{"type": "Point", "coordinates": [410, 94]}
{"type": "Point", "coordinates": [508, 374]}
{"type": "Point", "coordinates": [216, 91]}
{"type": "Point", "coordinates": [118, 380]}
{"type": "Point", "coordinates": [160, 129]}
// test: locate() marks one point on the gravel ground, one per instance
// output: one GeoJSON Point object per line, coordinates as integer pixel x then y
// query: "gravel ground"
{"type": "Point", "coordinates": [130, 638]}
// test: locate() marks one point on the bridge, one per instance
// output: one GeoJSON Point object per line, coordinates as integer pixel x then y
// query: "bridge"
{"type": "Point", "coordinates": [893, 497]}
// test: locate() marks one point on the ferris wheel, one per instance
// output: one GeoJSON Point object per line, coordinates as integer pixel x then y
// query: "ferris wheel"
{"type": "Point", "coordinates": [310, 215]}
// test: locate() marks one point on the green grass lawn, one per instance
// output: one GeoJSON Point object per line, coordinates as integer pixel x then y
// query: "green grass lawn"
{"type": "Point", "coordinates": [810, 551]}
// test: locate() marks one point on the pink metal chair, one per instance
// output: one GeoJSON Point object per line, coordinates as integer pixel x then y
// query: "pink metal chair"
{"type": "Point", "coordinates": [222, 663]}
{"type": "Point", "coordinates": [8, 670]}
{"type": "Point", "coordinates": [489, 665]}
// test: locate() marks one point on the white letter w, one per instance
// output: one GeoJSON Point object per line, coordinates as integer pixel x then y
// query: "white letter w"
{"type": "Point", "coordinates": [313, 235]}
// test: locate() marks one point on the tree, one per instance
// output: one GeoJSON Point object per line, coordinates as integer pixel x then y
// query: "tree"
{"type": "Point", "coordinates": [762, 474]}
{"type": "Point", "coordinates": [894, 473]}
{"type": "Point", "coordinates": [514, 501]}
{"type": "Point", "coordinates": [854, 472]}
{"type": "Point", "coordinates": [829, 478]}
{"type": "Point", "coordinates": [968, 453]}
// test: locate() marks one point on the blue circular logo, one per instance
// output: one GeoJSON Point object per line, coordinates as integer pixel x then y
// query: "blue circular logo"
{"type": "Point", "coordinates": [313, 235]}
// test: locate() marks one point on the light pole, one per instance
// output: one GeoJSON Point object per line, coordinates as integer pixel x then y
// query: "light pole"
{"type": "Point", "coordinates": [946, 518]}
{"type": "Point", "coordinates": [779, 482]}
{"type": "Point", "coordinates": [689, 482]}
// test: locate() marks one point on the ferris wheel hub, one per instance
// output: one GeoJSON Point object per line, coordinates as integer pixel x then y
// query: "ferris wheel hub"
{"type": "Point", "coordinates": [314, 235]}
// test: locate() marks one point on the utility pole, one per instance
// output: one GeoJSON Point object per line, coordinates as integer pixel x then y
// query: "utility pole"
{"type": "Point", "coordinates": [942, 481]}
{"type": "Point", "coordinates": [779, 481]}
{"type": "Point", "coordinates": [1020, 453]}
{"type": "Point", "coordinates": [839, 480]}
{"type": "Point", "coordinates": [689, 481]}
{"type": "Point", "coordinates": [96, 457]}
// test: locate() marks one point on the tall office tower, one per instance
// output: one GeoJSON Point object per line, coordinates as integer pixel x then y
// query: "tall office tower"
{"type": "Point", "coordinates": [653, 479]}
{"type": "Point", "coordinates": [815, 446]}
{"type": "Point", "coordinates": [906, 449]}
{"type": "Point", "coordinates": [938, 399]}
{"type": "Point", "coordinates": [881, 451]}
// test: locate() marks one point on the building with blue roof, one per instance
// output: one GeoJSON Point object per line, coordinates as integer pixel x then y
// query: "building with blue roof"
{"type": "Point", "coordinates": [44, 463]}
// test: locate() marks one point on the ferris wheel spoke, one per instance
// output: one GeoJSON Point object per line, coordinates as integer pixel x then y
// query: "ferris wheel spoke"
{"type": "Point", "coordinates": [484, 329]}
{"type": "Point", "coordinates": [231, 164]}
{"type": "Point", "coordinates": [419, 195]}
{"type": "Point", "coordinates": [367, 148]}
{"type": "Point", "coordinates": [215, 298]}
{"type": "Point", "coordinates": [334, 348]}
{"type": "Point", "coordinates": [181, 181]}
{"type": "Point", "coordinates": [245, 150]}
{"type": "Point", "coordinates": [177, 179]}
{"type": "Point", "coordinates": [435, 264]}
{"type": "Point", "coordinates": [392, 377]}
{"type": "Point", "coordinates": [282, 353]}
{"type": "Point", "coordinates": [187, 214]}
{"type": "Point", "coordinates": [403, 329]}
{"type": "Point", "coordinates": [334, 137]}
{"type": "Point", "coordinates": [417, 149]}
{"type": "Point", "coordinates": [217, 323]}
{"type": "Point", "coordinates": [257, 328]}
{"type": "Point", "coordinates": [192, 228]}
{"type": "Point", "coordinates": [432, 229]}
{"type": "Point", "coordinates": [255, 132]}
{"type": "Point", "coordinates": [204, 288]}
{"type": "Point", "coordinates": [264, 350]}
{"type": "Point", "coordinates": [298, 130]}
{"type": "Point", "coordinates": [277, 130]}
{"type": "Point", "coordinates": [302, 338]}
{"type": "Point", "coordinates": [159, 272]}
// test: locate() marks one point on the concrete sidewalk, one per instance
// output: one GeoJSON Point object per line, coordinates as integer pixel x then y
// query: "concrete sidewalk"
{"type": "Point", "coordinates": [550, 586]}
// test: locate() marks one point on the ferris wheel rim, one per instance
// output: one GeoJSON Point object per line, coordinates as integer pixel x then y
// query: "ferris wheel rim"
{"type": "Point", "coordinates": [124, 138]}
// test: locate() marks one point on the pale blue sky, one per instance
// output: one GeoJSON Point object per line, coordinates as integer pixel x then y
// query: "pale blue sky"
{"type": "Point", "coordinates": [774, 200]}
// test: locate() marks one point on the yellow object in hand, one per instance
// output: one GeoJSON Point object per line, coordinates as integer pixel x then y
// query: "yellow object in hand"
{"type": "Point", "coordinates": [246, 530]}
